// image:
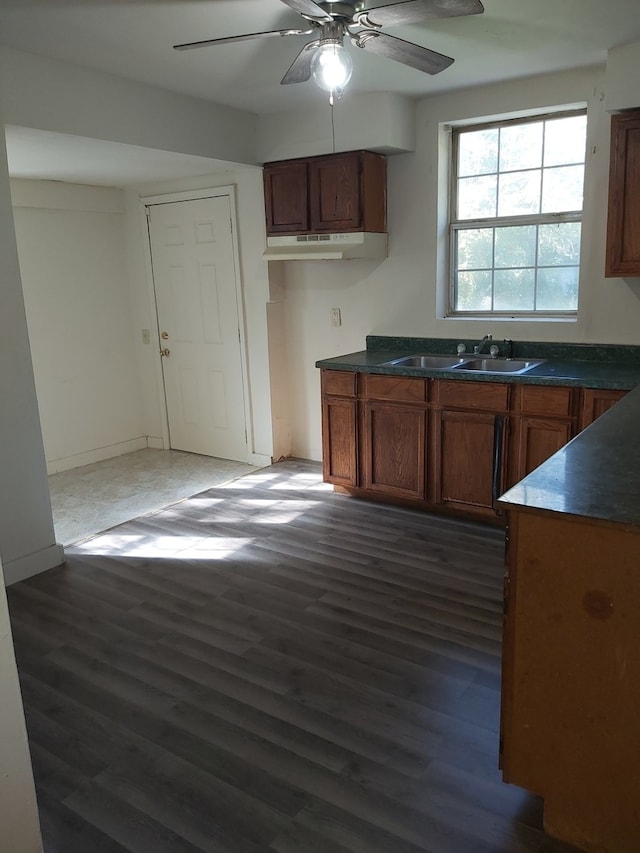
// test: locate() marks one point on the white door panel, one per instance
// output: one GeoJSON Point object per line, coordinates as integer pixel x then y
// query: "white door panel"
{"type": "Point", "coordinates": [196, 296]}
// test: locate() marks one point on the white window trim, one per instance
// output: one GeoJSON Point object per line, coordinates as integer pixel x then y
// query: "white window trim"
{"type": "Point", "coordinates": [454, 225]}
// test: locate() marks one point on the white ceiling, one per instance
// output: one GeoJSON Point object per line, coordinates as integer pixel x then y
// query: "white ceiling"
{"type": "Point", "coordinates": [43, 155]}
{"type": "Point", "coordinates": [134, 38]}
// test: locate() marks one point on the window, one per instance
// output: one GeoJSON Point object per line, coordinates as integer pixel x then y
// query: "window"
{"type": "Point", "coordinates": [516, 216]}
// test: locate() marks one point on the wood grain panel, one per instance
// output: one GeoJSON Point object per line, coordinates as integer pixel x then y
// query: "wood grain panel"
{"type": "Point", "coordinates": [286, 193]}
{"type": "Point", "coordinates": [465, 455]}
{"type": "Point", "coordinates": [570, 720]}
{"type": "Point", "coordinates": [595, 402]}
{"type": "Point", "coordinates": [538, 439]}
{"type": "Point", "coordinates": [490, 396]}
{"type": "Point", "coordinates": [339, 441]}
{"type": "Point", "coordinates": [403, 389]}
{"type": "Point", "coordinates": [545, 400]}
{"type": "Point", "coordinates": [394, 446]}
{"type": "Point", "coordinates": [340, 382]}
{"type": "Point", "coordinates": [623, 224]}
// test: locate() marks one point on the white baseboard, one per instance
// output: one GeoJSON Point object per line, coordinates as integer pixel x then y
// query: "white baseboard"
{"type": "Point", "coordinates": [32, 564]}
{"type": "Point", "coordinates": [97, 455]}
{"type": "Point", "coordinates": [259, 460]}
{"type": "Point", "coordinates": [155, 443]}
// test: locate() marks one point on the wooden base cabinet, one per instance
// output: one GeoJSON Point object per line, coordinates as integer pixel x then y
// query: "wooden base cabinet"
{"type": "Point", "coordinates": [339, 427]}
{"type": "Point", "coordinates": [437, 443]}
{"type": "Point", "coordinates": [571, 676]}
{"type": "Point", "coordinates": [394, 435]}
{"type": "Point", "coordinates": [469, 439]}
{"type": "Point", "coordinates": [545, 420]}
{"type": "Point", "coordinates": [394, 450]}
{"type": "Point", "coordinates": [468, 454]}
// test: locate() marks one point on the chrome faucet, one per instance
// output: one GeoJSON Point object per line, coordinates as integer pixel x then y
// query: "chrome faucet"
{"type": "Point", "coordinates": [478, 347]}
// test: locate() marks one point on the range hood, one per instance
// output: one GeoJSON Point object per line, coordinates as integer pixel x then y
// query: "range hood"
{"type": "Point", "coordinates": [326, 247]}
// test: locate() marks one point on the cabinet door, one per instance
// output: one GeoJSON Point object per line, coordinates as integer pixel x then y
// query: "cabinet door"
{"type": "Point", "coordinates": [334, 193]}
{"type": "Point", "coordinates": [596, 402]}
{"type": "Point", "coordinates": [538, 439]}
{"type": "Point", "coordinates": [394, 450]}
{"type": "Point", "coordinates": [339, 441]}
{"type": "Point", "coordinates": [285, 197]}
{"type": "Point", "coordinates": [468, 456]}
{"type": "Point", "coordinates": [623, 226]}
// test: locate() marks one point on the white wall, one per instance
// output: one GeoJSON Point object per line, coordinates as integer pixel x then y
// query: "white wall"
{"type": "Point", "coordinates": [51, 95]}
{"type": "Point", "coordinates": [71, 247]}
{"type": "Point", "coordinates": [400, 296]}
{"type": "Point", "coordinates": [19, 827]}
{"type": "Point", "coordinates": [27, 541]}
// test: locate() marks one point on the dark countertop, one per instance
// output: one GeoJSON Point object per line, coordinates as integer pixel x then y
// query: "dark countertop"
{"type": "Point", "coordinates": [617, 373]}
{"type": "Point", "coordinates": [596, 475]}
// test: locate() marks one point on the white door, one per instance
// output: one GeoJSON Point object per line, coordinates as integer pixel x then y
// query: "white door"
{"type": "Point", "coordinates": [196, 288]}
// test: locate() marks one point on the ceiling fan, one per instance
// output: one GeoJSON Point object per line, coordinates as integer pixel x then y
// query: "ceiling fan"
{"type": "Point", "coordinates": [325, 58]}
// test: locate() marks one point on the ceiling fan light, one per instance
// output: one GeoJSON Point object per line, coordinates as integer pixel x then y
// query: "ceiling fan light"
{"type": "Point", "coordinates": [331, 66]}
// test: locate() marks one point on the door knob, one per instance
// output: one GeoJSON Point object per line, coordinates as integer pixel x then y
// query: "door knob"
{"type": "Point", "coordinates": [164, 335]}
{"type": "Point", "coordinates": [165, 352]}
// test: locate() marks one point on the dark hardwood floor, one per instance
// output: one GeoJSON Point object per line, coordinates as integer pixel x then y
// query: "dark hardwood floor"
{"type": "Point", "coordinates": [268, 666]}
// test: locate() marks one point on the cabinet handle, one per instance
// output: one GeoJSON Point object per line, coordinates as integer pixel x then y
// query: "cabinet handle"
{"type": "Point", "coordinates": [498, 430]}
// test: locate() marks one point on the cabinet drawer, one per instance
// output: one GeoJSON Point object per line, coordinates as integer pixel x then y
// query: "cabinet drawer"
{"type": "Point", "coordinates": [471, 395]}
{"type": "Point", "coordinates": [545, 400]}
{"type": "Point", "coordinates": [340, 382]}
{"type": "Point", "coordinates": [405, 389]}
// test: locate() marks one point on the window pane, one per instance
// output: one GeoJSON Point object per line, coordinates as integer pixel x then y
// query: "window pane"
{"type": "Point", "coordinates": [475, 248]}
{"type": "Point", "coordinates": [519, 193]}
{"type": "Point", "coordinates": [477, 197]}
{"type": "Point", "coordinates": [516, 247]}
{"type": "Point", "coordinates": [565, 140]}
{"type": "Point", "coordinates": [562, 188]}
{"type": "Point", "coordinates": [558, 289]}
{"type": "Point", "coordinates": [559, 244]}
{"type": "Point", "coordinates": [521, 146]}
{"type": "Point", "coordinates": [514, 290]}
{"type": "Point", "coordinates": [473, 292]}
{"type": "Point", "coordinates": [478, 152]}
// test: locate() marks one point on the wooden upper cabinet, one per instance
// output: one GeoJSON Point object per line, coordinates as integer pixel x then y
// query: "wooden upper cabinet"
{"type": "Point", "coordinates": [623, 227]}
{"type": "Point", "coordinates": [333, 193]}
{"type": "Point", "coordinates": [285, 196]}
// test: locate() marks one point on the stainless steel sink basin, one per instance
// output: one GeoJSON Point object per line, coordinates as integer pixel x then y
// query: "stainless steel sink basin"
{"type": "Point", "coordinates": [495, 365]}
{"type": "Point", "coordinates": [429, 362]}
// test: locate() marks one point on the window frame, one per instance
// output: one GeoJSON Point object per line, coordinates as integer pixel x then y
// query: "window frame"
{"type": "Point", "coordinates": [455, 225]}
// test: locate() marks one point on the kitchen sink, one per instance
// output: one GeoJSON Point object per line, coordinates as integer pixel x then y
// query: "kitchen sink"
{"type": "Point", "coordinates": [429, 362]}
{"type": "Point", "coordinates": [495, 365]}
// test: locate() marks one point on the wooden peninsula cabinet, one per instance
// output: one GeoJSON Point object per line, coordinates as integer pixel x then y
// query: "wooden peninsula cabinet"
{"type": "Point", "coordinates": [333, 193]}
{"type": "Point", "coordinates": [623, 224]}
{"type": "Point", "coordinates": [443, 444]}
{"type": "Point", "coordinates": [570, 663]}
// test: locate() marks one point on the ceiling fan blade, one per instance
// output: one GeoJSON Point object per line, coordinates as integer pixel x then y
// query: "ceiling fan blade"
{"type": "Point", "coordinates": [403, 51]}
{"type": "Point", "coordinates": [308, 9]}
{"type": "Point", "coordinates": [300, 69]}
{"type": "Point", "coordinates": [414, 11]}
{"type": "Point", "coordinates": [229, 39]}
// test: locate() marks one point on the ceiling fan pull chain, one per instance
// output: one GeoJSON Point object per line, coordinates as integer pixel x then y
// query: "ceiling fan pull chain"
{"type": "Point", "coordinates": [333, 125]}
